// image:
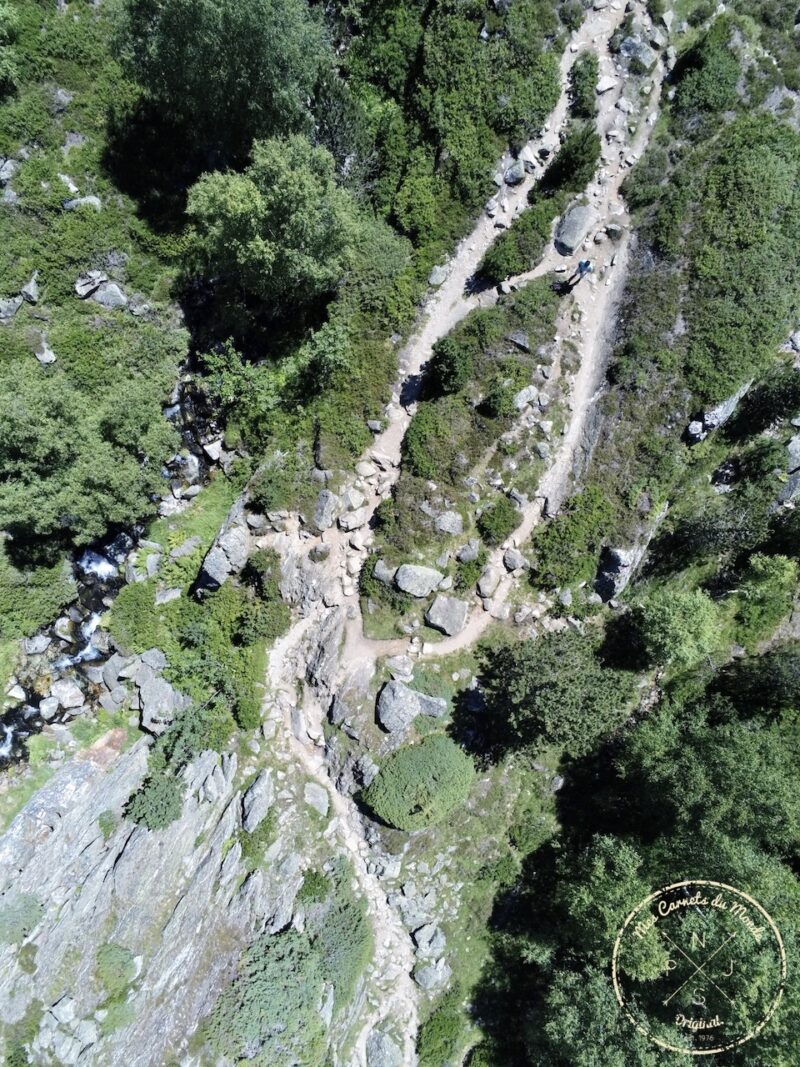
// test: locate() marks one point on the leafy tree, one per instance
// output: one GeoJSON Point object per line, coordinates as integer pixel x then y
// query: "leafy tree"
{"type": "Point", "coordinates": [419, 785]}
{"type": "Point", "coordinates": [9, 75]}
{"type": "Point", "coordinates": [554, 691]}
{"type": "Point", "coordinates": [765, 595]}
{"type": "Point", "coordinates": [677, 627]}
{"type": "Point", "coordinates": [232, 70]}
{"type": "Point", "coordinates": [281, 231]}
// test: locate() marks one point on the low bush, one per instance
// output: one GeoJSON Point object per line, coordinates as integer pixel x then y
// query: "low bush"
{"type": "Point", "coordinates": [441, 1033]}
{"type": "Point", "coordinates": [566, 548]}
{"type": "Point", "coordinates": [677, 627]}
{"type": "Point", "coordinates": [421, 784]}
{"type": "Point", "coordinates": [765, 596]}
{"type": "Point", "coordinates": [498, 521]}
{"type": "Point", "coordinates": [115, 968]}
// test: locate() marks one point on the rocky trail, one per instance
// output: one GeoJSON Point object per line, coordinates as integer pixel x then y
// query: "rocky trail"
{"type": "Point", "coordinates": [585, 322]}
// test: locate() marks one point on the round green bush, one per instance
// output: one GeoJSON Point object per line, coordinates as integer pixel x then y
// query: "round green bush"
{"type": "Point", "coordinates": [421, 784]}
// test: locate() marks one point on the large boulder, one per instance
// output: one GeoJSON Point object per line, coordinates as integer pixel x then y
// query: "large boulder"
{"type": "Point", "coordinates": [615, 570]}
{"type": "Point", "coordinates": [67, 693]}
{"type": "Point", "coordinates": [398, 706]}
{"type": "Point", "coordinates": [450, 522]}
{"type": "Point", "coordinates": [574, 227]}
{"type": "Point", "coordinates": [431, 976]}
{"type": "Point", "coordinates": [416, 580]}
{"type": "Point", "coordinates": [447, 614]}
{"type": "Point", "coordinates": [326, 510]}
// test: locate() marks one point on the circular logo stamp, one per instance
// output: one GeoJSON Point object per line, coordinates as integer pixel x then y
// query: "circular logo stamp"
{"type": "Point", "coordinates": [699, 967]}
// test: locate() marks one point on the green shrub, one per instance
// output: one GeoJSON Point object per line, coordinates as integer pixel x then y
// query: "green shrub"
{"type": "Point", "coordinates": [420, 785]}
{"type": "Point", "coordinates": [441, 1034]}
{"type": "Point", "coordinates": [255, 843]}
{"type": "Point", "coordinates": [32, 596]}
{"type": "Point", "coordinates": [341, 935]}
{"type": "Point", "coordinates": [583, 85]}
{"type": "Point", "coordinates": [765, 596]}
{"type": "Point", "coordinates": [451, 365]}
{"type": "Point", "coordinates": [270, 1013]}
{"type": "Point", "coordinates": [566, 548]}
{"type": "Point", "coordinates": [710, 73]}
{"type": "Point", "coordinates": [315, 888]}
{"type": "Point", "coordinates": [498, 521]}
{"type": "Point", "coordinates": [108, 822]}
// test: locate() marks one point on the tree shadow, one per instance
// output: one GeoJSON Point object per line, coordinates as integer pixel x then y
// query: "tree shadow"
{"type": "Point", "coordinates": [150, 156]}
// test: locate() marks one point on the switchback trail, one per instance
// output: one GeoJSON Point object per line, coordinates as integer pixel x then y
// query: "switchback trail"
{"type": "Point", "coordinates": [392, 993]}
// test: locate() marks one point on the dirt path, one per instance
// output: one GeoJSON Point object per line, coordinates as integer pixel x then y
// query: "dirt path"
{"type": "Point", "coordinates": [392, 993]}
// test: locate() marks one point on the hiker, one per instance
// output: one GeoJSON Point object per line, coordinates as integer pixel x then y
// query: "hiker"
{"type": "Point", "coordinates": [584, 267]}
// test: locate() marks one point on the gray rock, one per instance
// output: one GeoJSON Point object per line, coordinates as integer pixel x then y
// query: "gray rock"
{"type": "Point", "coordinates": [604, 85]}
{"type": "Point", "coordinates": [520, 339]}
{"type": "Point", "coordinates": [526, 396]}
{"type": "Point", "coordinates": [515, 173]}
{"type": "Point", "coordinates": [89, 282]}
{"type": "Point", "coordinates": [48, 707]}
{"type": "Point", "coordinates": [76, 202]}
{"type": "Point", "coordinates": [9, 308]}
{"type": "Point", "coordinates": [354, 520]}
{"type": "Point", "coordinates": [326, 510]}
{"type": "Point", "coordinates": [8, 168]}
{"type": "Point", "coordinates": [513, 560]}
{"type": "Point", "coordinates": [416, 580]}
{"type": "Point", "coordinates": [216, 565]}
{"type": "Point", "coordinates": [640, 54]}
{"type": "Point", "coordinates": [717, 416]}
{"type": "Point", "coordinates": [159, 701]}
{"type": "Point", "coordinates": [615, 570]}
{"type": "Point", "coordinates": [431, 976]}
{"type": "Point", "coordinates": [67, 693]}
{"type": "Point", "coordinates": [30, 290]}
{"type": "Point", "coordinates": [110, 296]}
{"type": "Point", "coordinates": [438, 275]}
{"type": "Point", "coordinates": [447, 614]}
{"type": "Point", "coordinates": [352, 498]}
{"type": "Point", "coordinates": [398, 706]}
{"type": "Point", "coordinates": [383, 1051]}
{"type": "Point", "coordinates": [469, 553]}
{"type": "Point", "coordinates": [34, 645]}
{"type": "Point", "coordinates": [316, 796]}
{"type": "Point", "coordinates": [41, 348]}
{"type": "Point", "coordinates": [565, 598]}
{"type": "Point", "coordinates": [154, 658]}
{"type": "Point", "coordinates": [573, 228]}
{"type": "Point", "coordinates": [450, 522]}
{"type": "Point", "coordinates": [319, 553]}
{"type": "Point", "coordinates": [489, 581]}
{"type": "Point", "coordinates": [185, 548]}
{"type": "Point", "coordinates": [257, 801]}
{"type": "Point", "coordinates": [384, 573]}
{"type": "Point", "coordinates": [164, 596]}
{"type": "Point", "coordinates": [60, 101]}
{"type": "Point", "coordinates": [430, 941]}
{"type": "Point", "coordinates": [235, 543]}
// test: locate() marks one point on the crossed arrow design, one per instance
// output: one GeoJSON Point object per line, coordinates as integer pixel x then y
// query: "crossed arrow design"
{"type": "Point", "coordinates": [699, 968]}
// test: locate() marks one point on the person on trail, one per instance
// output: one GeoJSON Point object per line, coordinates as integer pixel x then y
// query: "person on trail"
{"type": "Point", "coordinates": [584, 267]}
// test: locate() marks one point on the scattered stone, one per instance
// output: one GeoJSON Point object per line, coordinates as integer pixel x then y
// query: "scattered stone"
{"type": "Point", "coordinates": [9, 308]}
{"type": "Point", "coordinates": [447, 614]}
{"type": "Point", "coordinates": [89, 282]}
{"type": "Point", "coordinates": [48, 707]}
{"type": "Point", "coordinates": [416, 580]}
{"type": "Point", "coordinates": [565, 598]}
{"type": "Point", "coordinates": [398, 706]}
{"type": "Point", "coordinates": [489, 581]}
{"type": "Point", "coordinates": [76, 202]}
{"type": "Point", "coordinates": [515, 173]}
{"type": "Point", "coordinates": [67, 693]}
{"type": "Point", "coordinates": [526, 396]}
{"type": "Point", "coordinates": [326, 510]}
{"type": "Point", "coordinates": [213, 450]}
{"type": "Point", "coordinates": [164, 596]}
{"type": "Point", "coordinates": [604, 85]}
{"type": "Point", "coordinates": [352, 498]}
{"type": "Point", "coordinates": [468, 553]}
{"type": "Point", "coordinates": [450, 522]}
{"type": "Point", "coordinates": [257, 801]}
{"type": "Point", "coordinates": [520, 339]}
{"type": "Point", "coordinates": [438, 275]}
{"type": "Point", "coordinates": [383, 1051]}
{"type": "Point", "coordinates": [35, 645]}
{"type": "Point", "coordinates": [316, 796]}
{"type": "Point", "coordinates": [513, 560]}
{"type": "Point", "coordinates": [110, 296]}
{"type": "Point", "coordinates": [30, 290]}
{"type": "Point", "coordinates": [639, 52]}
{"type": "Point", "coordinates": [430, 940]}
{"type": "Point", "coordinates": [432, 976]}
{"type": "Point", "coordinates": [383, 572]}
{"type": "Point", "coordinates": [354, 520]}
{"type": "Point", "coordinates": [185, 548]}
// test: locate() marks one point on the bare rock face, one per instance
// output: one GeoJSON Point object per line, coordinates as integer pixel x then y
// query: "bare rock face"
{"type": "Point", "coordinates": [616, 569]}
{"type": "Point", "coordinates": [257, 801]}
{"type": "Point", "coordinates": [230, 550]}
{"type": "Point", "coordinates": [176, 899]}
